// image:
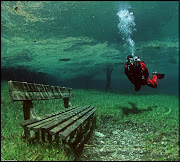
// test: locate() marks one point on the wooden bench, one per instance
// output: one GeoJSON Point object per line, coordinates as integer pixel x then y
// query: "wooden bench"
{"type": "Point", "coordinates": [73, 124]}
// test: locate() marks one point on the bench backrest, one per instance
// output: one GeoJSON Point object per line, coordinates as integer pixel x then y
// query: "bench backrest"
{"type": "Point", "coordinates": [22, 91]}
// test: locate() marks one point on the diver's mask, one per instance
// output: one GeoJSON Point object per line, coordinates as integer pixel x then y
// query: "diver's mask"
{"type": "Point", "coordinates": [131, 61]}
{"type": "Point", "coordinates": [136, 59]}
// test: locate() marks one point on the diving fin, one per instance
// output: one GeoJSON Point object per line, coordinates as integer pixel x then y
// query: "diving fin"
{"type": "Point", "coordinates": [160, 76]}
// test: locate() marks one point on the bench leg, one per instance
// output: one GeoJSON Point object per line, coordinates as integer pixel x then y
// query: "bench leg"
{"type": "Point", "coordinates": [26, 132]}
{"type": "Point", "coordinates": [78, 137]}
{"type": "Point", "coordinates": [28, 114]}
{"type": "Point", "coordinates": [83, 136]}
{"type": "Point", "coordinates": [94, 122]}
{"type": "Point", "coordinates": [37, 136]}
{"type": "Point", "coordinates": [49, 137]}
{"type": "Point", "coordinates": [26, 109]}
{"type": "Point", "coordinates": [43, 136]}
{"type": "Point", "coordinates": [66, 102]}
{"type": "Point", "coordinates": [86, 134]}
{"type": "Point", "coordinates": [57, 138]}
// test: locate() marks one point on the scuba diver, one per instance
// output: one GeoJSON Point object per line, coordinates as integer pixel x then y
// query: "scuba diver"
{"type": "Point", "coordinates": [138, 74]}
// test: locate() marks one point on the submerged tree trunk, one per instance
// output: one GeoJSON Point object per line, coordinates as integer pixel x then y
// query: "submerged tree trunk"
{"type": "Point", "coordinates": [108, 77]}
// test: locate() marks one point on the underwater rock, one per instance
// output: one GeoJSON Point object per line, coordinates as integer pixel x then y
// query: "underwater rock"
{"type": "Point", "coordinates": [99, 134]}
{"type": "Point", "coordinates": [116, 132]}
{"type": "Point", "coordinates": [102, 142]}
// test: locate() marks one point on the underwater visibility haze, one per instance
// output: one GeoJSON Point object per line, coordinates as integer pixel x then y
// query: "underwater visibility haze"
{"type": "Point", "coordinates": [84, 45]}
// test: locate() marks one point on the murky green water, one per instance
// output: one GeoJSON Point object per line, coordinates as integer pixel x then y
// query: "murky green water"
{"type": "Point", "coordinates": [73, 43]}
{"type": "Point", "coordinates": [67, 41]}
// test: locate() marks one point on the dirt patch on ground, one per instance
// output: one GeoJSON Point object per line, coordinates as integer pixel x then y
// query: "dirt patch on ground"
{"type": "Point", "coordinates": [124, 142]}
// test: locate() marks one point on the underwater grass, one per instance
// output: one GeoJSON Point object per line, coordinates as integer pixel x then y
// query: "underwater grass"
{"type": "Point", "coordinates": [157, 111]}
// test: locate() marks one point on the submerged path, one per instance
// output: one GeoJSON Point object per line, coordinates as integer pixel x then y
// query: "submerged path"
{"type": "Point", "coordinates": [120, 143]}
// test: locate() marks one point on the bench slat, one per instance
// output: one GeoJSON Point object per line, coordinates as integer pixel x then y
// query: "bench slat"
{"type": "Point", "coordinates": [17, 95]}
{"type": "Point", "coordinates": [31, 121]}
{"type": "Point", "coordinates": [68, 122]}
{"type": "Point", "coordinates": [14, 85]}
{"type": "Point", "coordinates": [75, 125]}
{"type": "Point", "coordinates": [49, 91]}
{"type": "Point", "coordinates": [21, 91]}
{"type": "Point", "coordinates": [41, 123]}
{"type": "Point", "coordinates": [57, 120]}
{"type": "Point", "coordinates": [54, 91]}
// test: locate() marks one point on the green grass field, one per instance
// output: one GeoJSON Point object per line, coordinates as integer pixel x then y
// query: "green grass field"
{"type": "Point", "coordinates": [158, 111]}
